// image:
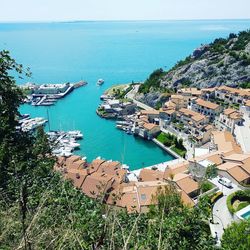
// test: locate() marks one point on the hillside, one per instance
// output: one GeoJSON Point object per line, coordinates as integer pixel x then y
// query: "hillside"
{"type": "Point", "coordinates": [222, 62]}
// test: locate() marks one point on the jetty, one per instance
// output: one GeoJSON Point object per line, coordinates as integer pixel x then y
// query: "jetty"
{"type": "Point", "coordinates": [48, 94]}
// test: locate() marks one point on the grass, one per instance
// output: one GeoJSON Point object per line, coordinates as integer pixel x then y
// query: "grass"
{"type": "Point", "coordinates": [172, 141]}
{"type": "Point", "coordinates": [238, 200]}
{"type": "Point", "coordinates": [180, 152]}
{"type": "Point", "coordinates": [242, 205]}
{"type": "Point", "coordinates": [206, 186]}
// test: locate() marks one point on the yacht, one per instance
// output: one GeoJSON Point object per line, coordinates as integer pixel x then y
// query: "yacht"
{"type": "Point", "coordinates": [100, 81]}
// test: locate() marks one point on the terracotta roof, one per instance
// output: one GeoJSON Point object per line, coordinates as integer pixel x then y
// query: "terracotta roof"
{"type": "Point", "coordinates": [192, 91]}
{"type": "Point", "coordinates": [94, 165]}
{"type": "Point", "coordinates": [150, 175]}
{"type": "Point", "coordinates": [238, 174]}
{"type": "Point", "coordinates": [247, 103]}
{"type": "Point", "coordinates": [168, 111]}
{"type": "Point", "coordinates": [232, 113]}
{"type": "Point", "coordinates": [172, 170]}
{"type": "Point", "coordinates": [235, 170]}
{"type": "Point", "coordinates": [237, 157]}
{"type": "Point", "coordinates": [77, 176]}
{"type": "Point", "coordinates": [177, 97]}
{"type": "Point", "coordinates": [240, 92]}
{"type": "Point", "coordinates": [97, 184]}
{"type": "Point", "coordinates": [206, 104]}
{"type": "Point", "coordinates": [186, 199]}
{"type": "Point", "coordinates": [225, 141]}
{"type": "Point", "coordinates": [186, 183]}
{"type": "Point", "coordinates": [109, 167]}
{"type": "Point", "coordinates": [72, 159]}
{"type": "Point", "coordinates": [150, 112]}
{"type": "Point", "coordinates": [149, 126]}
{"type": "Point", "coordinates": [192, 114]}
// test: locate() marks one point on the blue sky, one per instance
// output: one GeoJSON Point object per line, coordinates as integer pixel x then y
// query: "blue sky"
{"type": "Point", "coordinates": [63, 10]}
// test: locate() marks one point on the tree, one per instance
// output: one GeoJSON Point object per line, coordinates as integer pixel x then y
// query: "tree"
{"type": "Point", "coordinates": [237, 236]}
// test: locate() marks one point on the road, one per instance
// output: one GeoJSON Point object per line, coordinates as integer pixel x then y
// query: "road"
{"type": "Point", "coordinates": [131, 94]}
{"type": "Point", "coordinates": [222, 218]}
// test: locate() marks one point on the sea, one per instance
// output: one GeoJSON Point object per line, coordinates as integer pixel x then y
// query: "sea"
{"type": "Point", "coordinates": [117, 51]}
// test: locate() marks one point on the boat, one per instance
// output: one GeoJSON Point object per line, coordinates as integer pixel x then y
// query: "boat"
{"type": "Point", "coordinates": [100, 82]}
{"type": "Point", "coordinates": [76, 134]}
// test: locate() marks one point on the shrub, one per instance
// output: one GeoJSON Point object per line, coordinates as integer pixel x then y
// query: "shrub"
{"type": "Point", "coordinates": [238, 195]}
{"type": "Point", "coordinates": [206, 186]}
{"type": "Point", "coordinates": [216, 197]}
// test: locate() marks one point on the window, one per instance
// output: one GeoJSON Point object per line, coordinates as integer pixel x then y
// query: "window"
{"type": "Point", "coordinates": [143, 197]}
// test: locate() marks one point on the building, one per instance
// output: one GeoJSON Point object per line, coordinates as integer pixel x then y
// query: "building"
{"type": "Point", "coordinates": [150, 130]}
{"type": "Point", "coordinates": [232, 95]}
{"type": "Point", "coordinates": [236, 167]}
{"type": "Point", "coordinates": [189, 93]}
{"type": "Point", "coordinates": [52, 89]}
{"type": "Point", "coordinates": [176, 102]}
{"type": "Point", "coordinates": [224, 142]}
{"type": "Point", "coordinates": [206, 108]}
{"type": "Point", "coordinates": [228, 119]}
{"type": "Point", "coordinates": [166, 116]}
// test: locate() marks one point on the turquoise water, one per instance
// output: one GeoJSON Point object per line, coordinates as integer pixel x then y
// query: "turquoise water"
{"type": "Point", "coordinates": [118, 52]}
{"type": "Point", "coordinates": [246, 215]}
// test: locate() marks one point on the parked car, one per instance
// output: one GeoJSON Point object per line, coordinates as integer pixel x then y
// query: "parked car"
{"type": "Point", "coordinates": [225, 182]}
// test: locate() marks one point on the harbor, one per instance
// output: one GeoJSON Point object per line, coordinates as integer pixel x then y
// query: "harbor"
{"type": "Point", "coordinates": [48, 94]}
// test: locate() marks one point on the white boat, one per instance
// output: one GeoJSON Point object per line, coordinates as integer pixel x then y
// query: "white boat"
{"type": "Point", "coordinates": [75, 134]}
{"type": "Point", "coordinates": [100, 82]}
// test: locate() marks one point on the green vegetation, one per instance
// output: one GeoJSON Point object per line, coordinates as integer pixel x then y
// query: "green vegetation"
{"type": "Point", "coordinates": [238, 200]}
{"type": "Point", "coordinates": [120, 93]}
{"type": "Point", "coordinates": [215, 197]}
{"type": "Point", "coordinates": [237, 236]}
{"type": "Point", "coordinates": [39, 210]}
{"type": "Point", "coordinates": [206, 186]}
{"type": "Point", "coordinates": [186, 61]}
{"type": "Point", "coordinates": [175, 144]}
{"type": "Point", "coordinates": [153, 82]}
{"type": "Point", "coordinates": [245, 85]}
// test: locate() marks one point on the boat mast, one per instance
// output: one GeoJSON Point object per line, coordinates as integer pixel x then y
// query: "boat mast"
{"type": "Point", "coordinates": [48, 118]}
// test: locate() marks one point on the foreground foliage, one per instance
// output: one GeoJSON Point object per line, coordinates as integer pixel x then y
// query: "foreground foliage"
{"type": "Point", "coordinates": [237, 236]}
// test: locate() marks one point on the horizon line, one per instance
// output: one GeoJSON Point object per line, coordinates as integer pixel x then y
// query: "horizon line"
{"type": "Point", "coordinates": [123, 20]}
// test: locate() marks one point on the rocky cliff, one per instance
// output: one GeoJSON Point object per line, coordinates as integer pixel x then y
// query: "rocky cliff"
{"type": "Point", "coordinates": [223, 62]}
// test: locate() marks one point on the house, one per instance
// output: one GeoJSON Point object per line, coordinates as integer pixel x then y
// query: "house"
{"type": "Point", "coordinates": [188, 115]}
{"type": "Point", "coordinates": [176, 102]}
{"type": "Point", "coordinates": [149, 130]}
{"type": "Point", "coordinates": [228, 119]}
{"type": "Point", "coordinates": [189, 93]}
{"type": "Point", "coordinates": [196, 125]}
{"type": "Point", "coordinates": [152, 115]}
{"type": "Point", "coordinates": [97, 185]}
{"type": "Point", "coordinates": [198, 165]}
{"type": "Point", "coordinates": [139, 196]}
{"type": "Point", "coordinates": [187, 184]}
{"type": "Point", "coordinates": [166, 116]}
{"type": "Point", "coordinates": [206, 108]}
{"type": "Point", "coordinates": [232, 95]}
{"type": "Point", "coordinates": [236, 167]}
{"type": "Point", "coordinates": [174, 169]}
{"type": "Point", "coordinates": [150, 175]}
{"type": "Point", "coordinates": [224, 142]}
{"type": "Point", "coordinates": [234, 172]}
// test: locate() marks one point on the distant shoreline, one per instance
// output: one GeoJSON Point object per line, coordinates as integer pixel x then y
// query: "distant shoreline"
{"type": "Point", "coordinates": [118, 21]}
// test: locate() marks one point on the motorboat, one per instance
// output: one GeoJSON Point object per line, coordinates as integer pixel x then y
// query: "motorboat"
{"type": "Point", "coordinates": [100, 82]}
{"type": "Point", "coordinates": [76, 134]}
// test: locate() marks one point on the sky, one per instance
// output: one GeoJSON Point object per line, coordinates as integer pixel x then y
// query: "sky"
{"type": "Point", "coordinates": [72, 10]}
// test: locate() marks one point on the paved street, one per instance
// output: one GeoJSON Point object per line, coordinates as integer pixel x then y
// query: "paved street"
{"type": "Point", "coordinates": [222, 218]}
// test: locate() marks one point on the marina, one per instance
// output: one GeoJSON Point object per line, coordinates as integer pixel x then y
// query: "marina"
{"type": "Point", "coordinates": [64, 143]}
{"type": "Point", "coordinates": [48, 94]}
